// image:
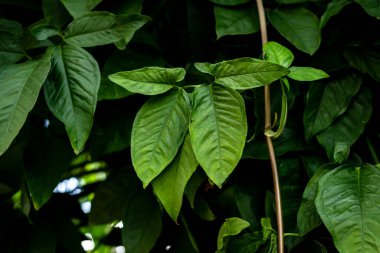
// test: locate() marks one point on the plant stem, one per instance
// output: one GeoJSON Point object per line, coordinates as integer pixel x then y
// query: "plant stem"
{"type": "Point", "coordinates": [272, 156]}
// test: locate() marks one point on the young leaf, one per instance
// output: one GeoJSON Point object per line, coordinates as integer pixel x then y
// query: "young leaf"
{"type": "Point", "coordinates": [348, 201]}
{"type": "Point", "coordinates": [142, 223]}
{"type": "Point", "coordinates": [11, 49]}
{"type": "Point", "coordinates": [175, 176]}
{"type": "Point", "coordinates": [243, 73]}
{"type": "Point", "coordinates": [158, 132]}
{"type": "Point", "coordinates": [78, 8]}
{"type": "Point", "coordinates": [326, 101]}
{"type": "Point", "coordinates": [299, 26]}
{"type": "Point", "coordinates": [235, 21]}
{"type": "Point", "coordinates": [100, 28]}
{"type": "Point", "coordinates": [278, 54]}
{"type": "Point", "coordinates": [306, 74]}
{"type": "Point", "coordinates": [149, 80]}
{"type": "Point", "coordinates": [71, 92]}
{"type": "Point", "coordinates": [20, 85]}
{"type": "Point", "coordinates": [232, 226]}
{"type": "Point", "coordinates": [370, 6]}
{"type": "Point", "coordinates": [218, 130]}
{"type": "Point", "coordinates": [333, 8]}
{"type": "Point", "coordinates": [338, 138]}
{"type": "Point", "coordinates": [308, 217]}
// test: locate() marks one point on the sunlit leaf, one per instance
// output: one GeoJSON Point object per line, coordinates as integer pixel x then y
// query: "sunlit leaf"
{"type": "Point", "coordinates": [306, 74]}
{"type": "Point", "coordinates": [243, 73]}
{"type": "Point", "coordinates": [232, 226]}
{"type": "Point", "coordinates": [175, 176]}
{"type": "Point", "coordinates": [158, 132]}
{"type": "Point", "coordinates": [326, 101]}
{"type": "Point", "coordinates": [149, 80]}
{"type": "Point", "coordinates": [20, 85]}
{"type": "Point", "coordinates": [299, 26]}
{"type": "Point", "coordinates": [338, 138]}
{"type": "Point", "coordinates": [71, 92]}
{"type": "Point", "coordinates": [278, 54]}
{"type": "Point", "coordinates": [348, 201]}
{"type": "Point", "coordinates": [218, 130]}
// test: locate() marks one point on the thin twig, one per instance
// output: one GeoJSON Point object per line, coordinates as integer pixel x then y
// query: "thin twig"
{"type": "Point", "coordinates": [272, 156]}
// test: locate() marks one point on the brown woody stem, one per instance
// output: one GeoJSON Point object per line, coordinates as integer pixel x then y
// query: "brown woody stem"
{"type": "Point", "coordinates": [272, 156]}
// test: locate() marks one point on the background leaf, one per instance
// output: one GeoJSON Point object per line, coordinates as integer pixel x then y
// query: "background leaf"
{"type": "Point", "coordinates": [149, 80]}
{"type": "Point", "coordinates": [158, 131]}
{"type": "Point", "coordinates": [235, 21]}
{"type": "Point", "coordinates": [370, 6]}
{"type": "Point", "coordinates": [218, 130]}
{"type": "Point", "coordinates": [78, 8]}
{"type": "Point", "coordinates": [142, 223]}
{"type": "Point", "coordinates": [175, 176]}
{"type": "Point", "coordinates": [348, 201]}
{"type": "Point", "coordinates": [326, 101]}
{"type": "Point", "coordinates": [299, 26]}
{"type": "Point", "coordinates": [243, 73]}
{"type": "Point", "coordinates": [100, 28]}
{"type": "Point", "coordinates": [308, 217]}
{"type": "Point", "coordinates": [11, 49]}
{"type": "Point", "coordinates": [333, 8]}
{"type": "Point", "coordinates": [338, 137]}
{"type": "Point", "coordinates": [229, 2]}
{"type": "Point", "coordinates": [71, 92]}
{"type": "Point", "coordinates": [20, 85]}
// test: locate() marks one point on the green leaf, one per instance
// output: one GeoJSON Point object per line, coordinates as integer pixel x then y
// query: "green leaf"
{"type": "Point", "coordinates": [299, 26]}
{"type": "Point", "coordinates": [366, 59]}
{"type": "Point", "coordinates": [232, 226]}
{"type": "Point", "coordinates": [78, 8]}
{"type": "Point", "coordinates": [247, 243]}
{"type": "Point", "coordinates": [111, 197]}
{"type": "Point", "coordinates": [43, 31]}
{"type": "Point", "coordinates": [236, 21]}
{"type": "Point", "coordinates": [20, 85]}
{"type": "Point", "coordinates": [218, 130]}
{"type": "Point", "coordinates": [142, 223]}
{"type": "Point", "coordinates": [308, 217]}
{"type": "Point", "coordinates": [100, 28]}
{"type": "Point", "coordinates": [370, 6]}
{"type": "Point", "coordinates": [333, 8]}
{"type": "Point", "coordinates": [44, 167]}
{"type": "Point", "coordinates": [11, 49]}
{"type": "Point", "coordinates": [55, 12]}
{"type": "Point", "coordinates": [158, 132]}
{"type": "Point", "coordinates": [344, 132]}
{"type": "Point", "coordinates": [175, 176]}
{"type": "Point", "coordinates": [306, 74]}
{"type": "Point", "coordinates": [348, 201]}
{"type": "Point", "coordinates": [276, 53]}
{"type": "Point", "coordinates": [230, 2]}
{"type": "Point", "coordinates": [326, 101]}
{"type": "Point", "coordinates": [149, 80]}
{"type": "Point", "coordinates": [193, 185]}
{"type": "Point", "coordinates": [243, 73]}
{"type": "Point", "coordinates": [71, 92]}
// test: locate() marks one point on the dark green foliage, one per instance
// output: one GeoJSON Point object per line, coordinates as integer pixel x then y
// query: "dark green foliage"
{"type": "Point", "coordinates": [152, 113]}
